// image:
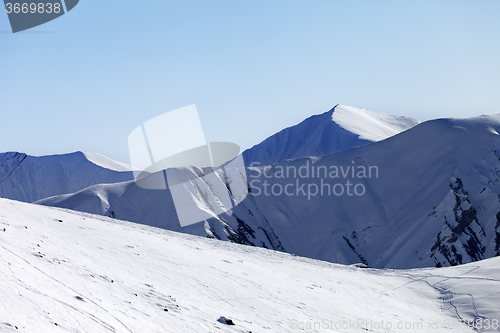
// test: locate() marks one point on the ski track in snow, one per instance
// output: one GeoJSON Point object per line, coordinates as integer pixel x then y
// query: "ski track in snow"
{"type": "Point", "coordinates": [93, 274]}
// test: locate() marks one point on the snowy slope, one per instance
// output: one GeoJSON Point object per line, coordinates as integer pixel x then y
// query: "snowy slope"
{"type": "Point", "coordinates": [435, 202]}
{"type": "Point", "coordinates": [65, 271]}
{"type": "Point", "coordinates": [29, 178]}
{"type": "Point", "coordinates": [127, 201]}
{"type": "Point", "coordinates": [341, 128]}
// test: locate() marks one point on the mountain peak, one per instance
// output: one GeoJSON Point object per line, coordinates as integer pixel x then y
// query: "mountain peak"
{"type": "Point", "coordinates": [340, 128]}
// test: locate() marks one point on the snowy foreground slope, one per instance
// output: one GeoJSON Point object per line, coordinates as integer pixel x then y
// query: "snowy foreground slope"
{"type": "Point", "coordinates": [30, 178]}
{"type": "Point", "coordinates": [64, 271]}
{"type": "Point", "coordinates": [341, 128]}
{"type": "Point", "coordinates": [426, 197]}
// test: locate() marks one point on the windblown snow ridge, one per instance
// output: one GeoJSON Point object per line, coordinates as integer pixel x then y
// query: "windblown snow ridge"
{"type": "Point", "coordinates": [341, 128]}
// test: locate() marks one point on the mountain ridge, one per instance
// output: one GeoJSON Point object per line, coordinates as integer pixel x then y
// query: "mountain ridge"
{"type": "Point", "coordinates": [424, 208]}
{"type": "Point", "coordinates": [338, 129]}
{"type": "Point", "coordinates": [435, 202]}
{"type": "Point", "coordinates": [31, 178]}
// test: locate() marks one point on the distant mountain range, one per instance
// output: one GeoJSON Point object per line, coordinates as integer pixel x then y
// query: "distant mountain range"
{"type": "Point", "coordinates": [29, 178]}
{"type": "Point", "coordinates": [396, 193]}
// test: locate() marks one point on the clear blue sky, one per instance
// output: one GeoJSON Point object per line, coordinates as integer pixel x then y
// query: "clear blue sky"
{"type": "Point", "coordinates": [86, 80]}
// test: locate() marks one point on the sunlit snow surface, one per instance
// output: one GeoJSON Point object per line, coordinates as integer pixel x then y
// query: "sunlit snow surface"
{"type": "Point", "coordinates": [63, 271]}
{"type": "Point", "coordinates": [369, 125]}
{"type": "Point", "coordinates": [107, 163]}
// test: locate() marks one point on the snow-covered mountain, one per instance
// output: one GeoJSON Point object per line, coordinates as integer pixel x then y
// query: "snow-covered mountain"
{"type": "Point", "coordinates": [29, 178]}
{"type": "Point", "coordinates": [432, 199]}
{"type": "Point", "coordinates": [64, 271]}
{"type": "Point", "coordinates": [341, 128]}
